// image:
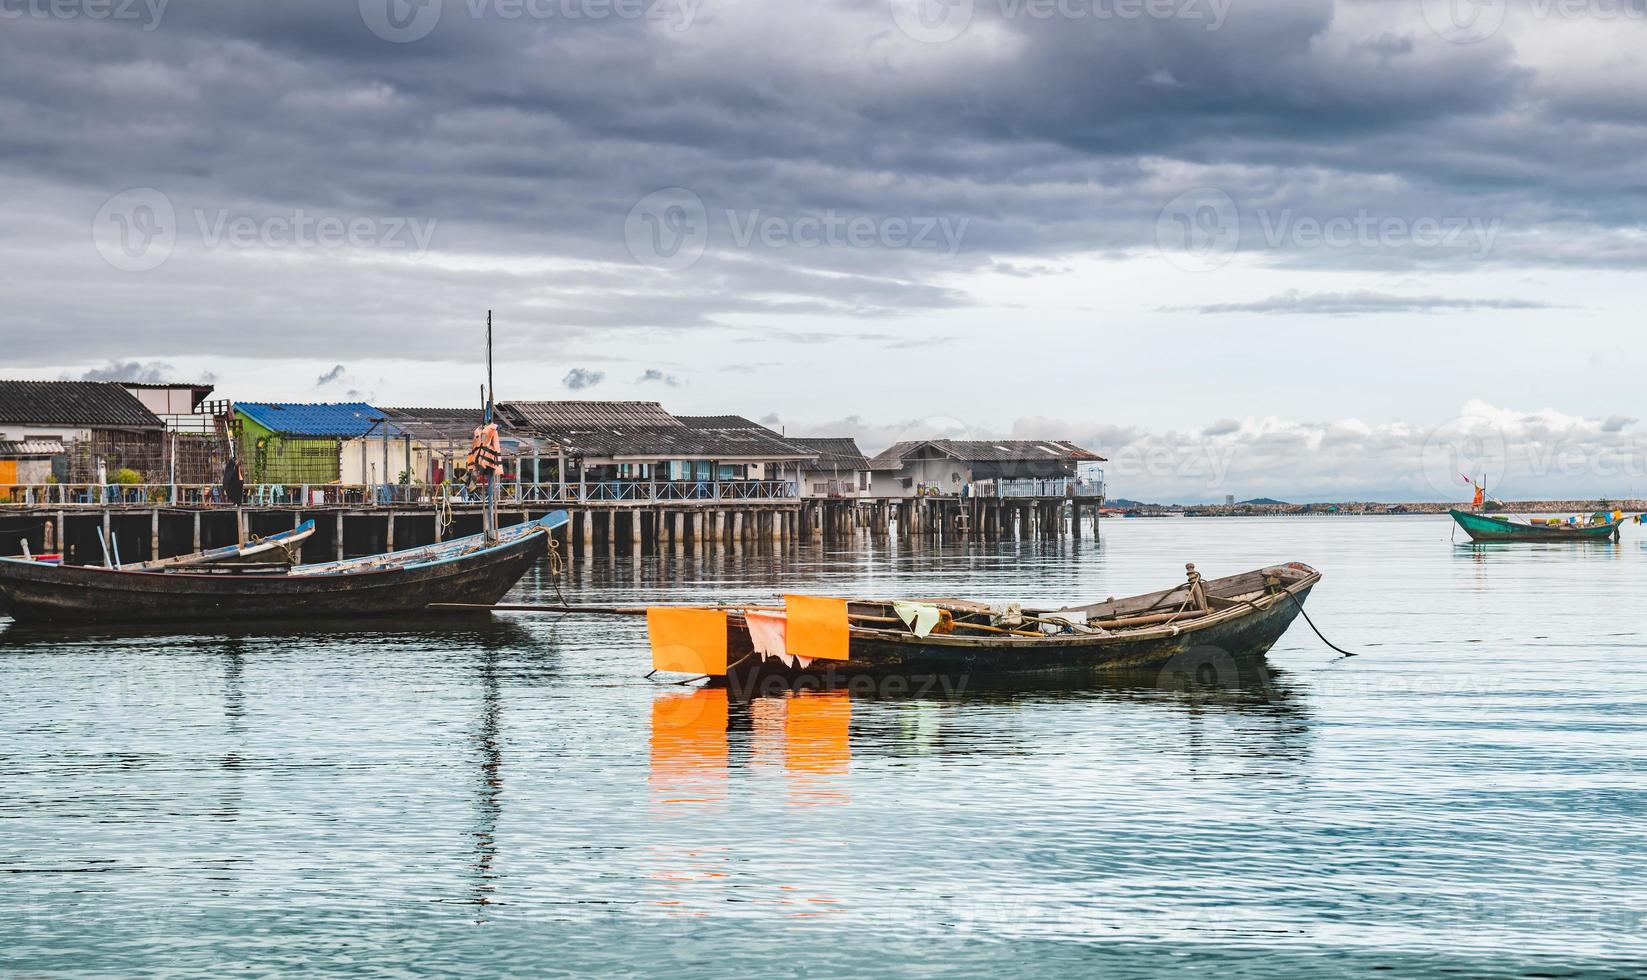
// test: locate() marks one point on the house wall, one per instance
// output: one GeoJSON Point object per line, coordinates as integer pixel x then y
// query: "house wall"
{"type": "Point", "coordinates": [944, 473]}
{"type": "Point", "coordinates": [269, 457]}
{"type": "Point", "coordinates": [853, 483]}
{"type": "Point", "coordinates": [17, 432]}
{"type": "Point", "coordinates": [165, 401]}
{"type": "Point", "coordinates": [371, 470]}
{"type": "Point", "coordinates": [24, 470]}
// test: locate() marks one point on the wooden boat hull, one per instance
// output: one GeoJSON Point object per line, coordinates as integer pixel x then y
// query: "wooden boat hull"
{"type": "Point", "coordinates": [1241, 632]}
{"type": "Point", "coordinates": [35, 592]}
{"type": "Point", "coordinates": [1483, 528]}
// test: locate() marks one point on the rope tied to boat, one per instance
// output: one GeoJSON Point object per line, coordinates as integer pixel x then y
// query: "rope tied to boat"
{"type": "Point", "coordinates": [1273, 583]}
{"type": "Point", "coordinates": [556, 566]}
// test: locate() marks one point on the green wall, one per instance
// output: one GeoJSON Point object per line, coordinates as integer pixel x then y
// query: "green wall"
{"type": "Point", "coordinates": [272, 457]}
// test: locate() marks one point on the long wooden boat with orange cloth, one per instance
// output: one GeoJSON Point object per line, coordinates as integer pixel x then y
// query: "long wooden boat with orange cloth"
{"type": "Point", "coordinates": [1240, 615]}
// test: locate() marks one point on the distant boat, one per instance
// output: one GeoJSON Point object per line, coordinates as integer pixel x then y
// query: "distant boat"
{"type": "Point", "coordinates": [476, 569]}
{"type": "Point", "coordinates": [1498, 527]}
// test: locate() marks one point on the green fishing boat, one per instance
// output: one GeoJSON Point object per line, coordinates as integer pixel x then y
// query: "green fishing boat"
{"type": "Point", "coordinates": [1497, 527]}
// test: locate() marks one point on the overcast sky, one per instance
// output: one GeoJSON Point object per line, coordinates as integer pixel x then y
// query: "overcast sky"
{"type": "Point", "coordinates": [1303, 249]}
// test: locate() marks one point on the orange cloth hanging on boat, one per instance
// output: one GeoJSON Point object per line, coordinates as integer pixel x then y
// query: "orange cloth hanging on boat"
{"type": "Point", "coordinates": [817, 627]}
{"type": "Point", "coordinates": [688, 641]}
{"type": "Point", "coordinates": [486, 452]}
{"type": "Point", "coordinates": [1480, 497]}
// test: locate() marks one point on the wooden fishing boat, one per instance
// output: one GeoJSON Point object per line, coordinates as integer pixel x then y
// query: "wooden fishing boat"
{"type": "Point", "coordinates": [281, 548]}
{"type": "Point", "coordinates": [480, 568]}
{"type": "Point", "coordinates": [1498, 527]}
{"type": "Point", "coordinates": [1241, 616]}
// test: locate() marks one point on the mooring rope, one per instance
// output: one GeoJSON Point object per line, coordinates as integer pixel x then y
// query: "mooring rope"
{"type": "Point", "coordinates": [555, 568]}
{"type": "Point", "coordinates": [1318, 632]}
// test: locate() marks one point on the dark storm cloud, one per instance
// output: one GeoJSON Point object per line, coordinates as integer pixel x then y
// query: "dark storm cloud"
{"type": "Point", "coordinates": [154, 372]}
{"type": "Point", "coordinates": [530, 141]}
{"type": "Point", "coordinates": [578, 379]}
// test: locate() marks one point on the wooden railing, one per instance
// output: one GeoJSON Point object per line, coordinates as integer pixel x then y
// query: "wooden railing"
{"type": "Point", "coordinates": [390, 494]}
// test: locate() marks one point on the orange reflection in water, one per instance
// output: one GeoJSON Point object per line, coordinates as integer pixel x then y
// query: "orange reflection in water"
{"type": "Point", "coordinates": [817, 736]}
{"type": "Point", "coordinates": [806, 733]}
{"type": "Point", "coordinates": [689, 750]}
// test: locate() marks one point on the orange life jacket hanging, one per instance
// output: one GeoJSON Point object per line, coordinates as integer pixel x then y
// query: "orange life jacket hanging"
{"type": "Point", "coordinates": [485, 454]}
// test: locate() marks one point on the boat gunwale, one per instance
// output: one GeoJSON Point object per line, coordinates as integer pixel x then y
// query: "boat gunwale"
{"type": "Point", "coordinates": [534, 528]}
{"type": "Point", "coordinates": [256, 546]}
{"type": "Point", "coordinates": [1311, 577]}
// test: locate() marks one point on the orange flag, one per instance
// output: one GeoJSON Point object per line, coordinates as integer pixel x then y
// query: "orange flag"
{"type": "Point", "coordinates": [817, 627]}
{"type": "Point", "coordinates": [688, 641]}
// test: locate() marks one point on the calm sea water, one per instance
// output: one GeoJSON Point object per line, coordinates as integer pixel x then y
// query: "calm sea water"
{"type": "Point", "coordinates": [1465, 797]}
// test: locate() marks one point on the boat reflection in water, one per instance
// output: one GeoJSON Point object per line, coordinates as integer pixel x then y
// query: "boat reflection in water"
{"type": "Point", "coordinates": [805, 734]}
{"type": "Point", "coordinates": [698, 738]}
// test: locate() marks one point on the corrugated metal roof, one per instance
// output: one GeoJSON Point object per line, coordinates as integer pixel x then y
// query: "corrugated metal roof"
{"type": "Point", "coordinates": [447, 424]}
{"type": "Point", "coordinates": [346, 420]}
{"type": "Point", "coordinates": [678, 442]}
{"type": "Point", "coordinates": [991, 451]}
{"type": "Point", "coordinates": [720, 422]}
{"type": "Point", "coordinates": [92, 404]}
{"type": "Point", "coordinates": [31, 447]}
{"type": "Point", "coordinates": [841, 452]}
{"type": "Point", "coordinates": [587, 414]}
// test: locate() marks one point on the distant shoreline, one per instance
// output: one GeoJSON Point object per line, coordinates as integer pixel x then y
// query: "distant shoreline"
{"type": "Point", "coordinates": [1373, 509]}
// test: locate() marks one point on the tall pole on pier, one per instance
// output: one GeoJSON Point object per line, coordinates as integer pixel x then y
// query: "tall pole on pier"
{"type": "Point", "coordinates": [491, 519]}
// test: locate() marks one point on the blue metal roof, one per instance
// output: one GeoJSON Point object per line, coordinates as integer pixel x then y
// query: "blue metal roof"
{"type": "Point", "coordinates": [346, 420]}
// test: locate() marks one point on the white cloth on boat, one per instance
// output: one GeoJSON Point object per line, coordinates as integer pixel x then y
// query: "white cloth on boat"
{"type": "Point", "coordinates": [769, 635]}
{"type": "Point", "coordinates": [920, 617]}
{"type": "Point", "coordinates": [768, 632]}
